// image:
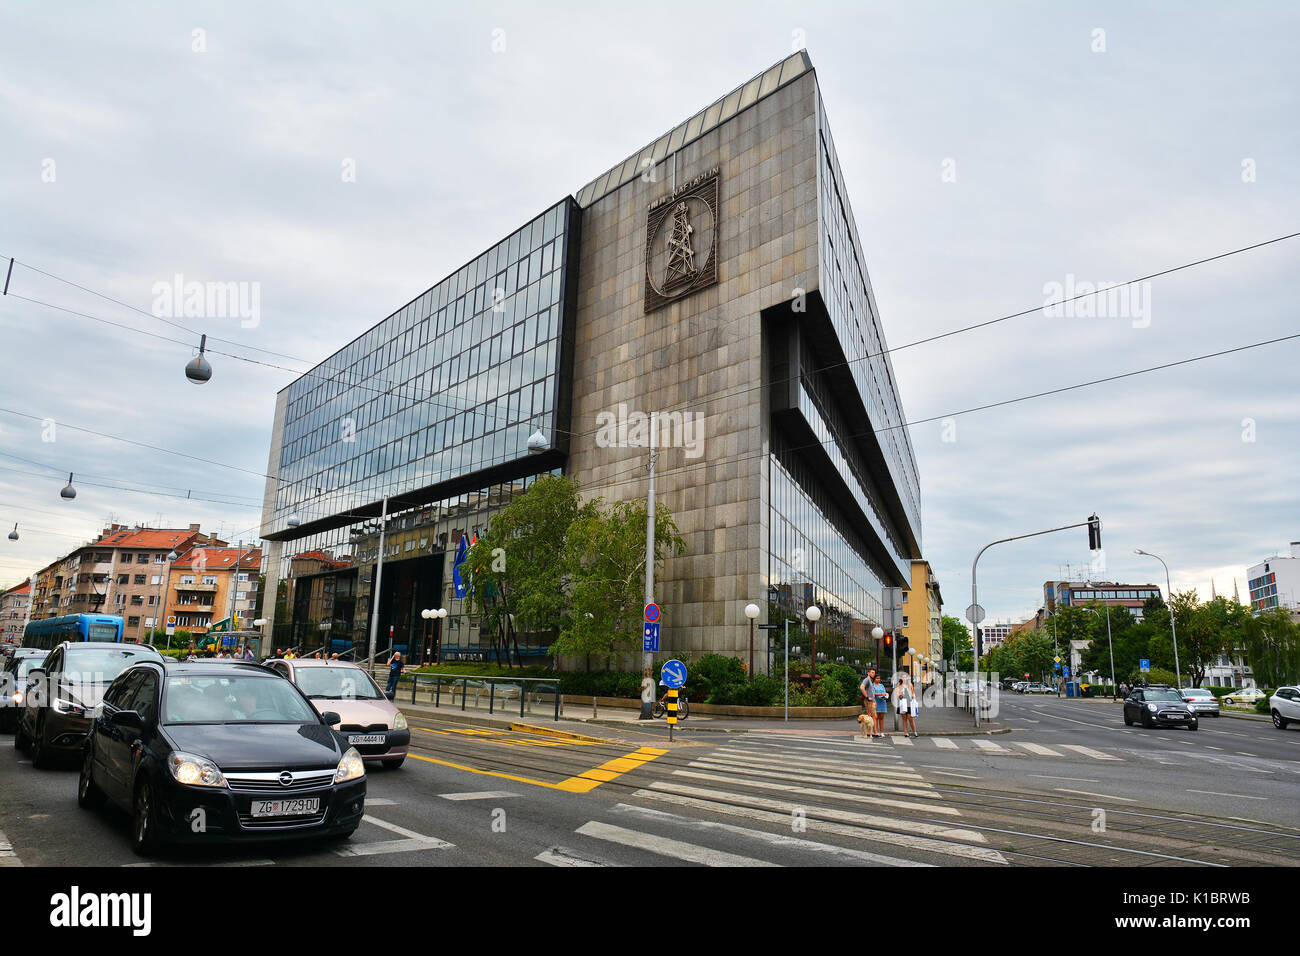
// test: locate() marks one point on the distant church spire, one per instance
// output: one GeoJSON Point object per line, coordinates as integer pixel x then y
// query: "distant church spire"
{"type": "Point", "coordinates": [1212, 594]}
{"type": "Point", "coordinates": [1235, 598]}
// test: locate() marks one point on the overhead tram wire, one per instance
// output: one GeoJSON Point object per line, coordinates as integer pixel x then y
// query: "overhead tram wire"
{"type": "Point", "coordinates": [744, 389]}
{"type": "Point", "coordinates": [740, 391]}
{"type": "Point", "coordinates": [251, 499]}
{"type": "Point", "coordinates": [659, 473]}
{"type": "Point", "coordinates": [138, 491]}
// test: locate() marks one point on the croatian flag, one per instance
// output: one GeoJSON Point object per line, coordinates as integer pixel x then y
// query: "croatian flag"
{"type": "Point", "coordinates": [461, 550]}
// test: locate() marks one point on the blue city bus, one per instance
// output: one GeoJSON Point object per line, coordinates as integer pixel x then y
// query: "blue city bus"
{"type": "Point", "coordinates": [72, 627]}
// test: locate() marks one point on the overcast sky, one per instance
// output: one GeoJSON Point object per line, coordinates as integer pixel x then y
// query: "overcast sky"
{"type": "Point", "coordinates": [345, 157]}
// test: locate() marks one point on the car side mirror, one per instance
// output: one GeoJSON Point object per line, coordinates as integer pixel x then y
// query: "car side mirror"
{"type": "Point", "coordinates": [331, 718]}
{"type": "Point", "coordinates": [127, 718]}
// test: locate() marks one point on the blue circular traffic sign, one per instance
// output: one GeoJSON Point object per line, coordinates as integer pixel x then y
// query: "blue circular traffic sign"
{"type": "Point", "coordinates": [651, 613]}
{"type": "Point", "coordinates": [673, 674]}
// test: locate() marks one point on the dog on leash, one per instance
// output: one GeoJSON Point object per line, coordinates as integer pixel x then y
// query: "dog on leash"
{"type": "Point", "coordinates": [867, 723]}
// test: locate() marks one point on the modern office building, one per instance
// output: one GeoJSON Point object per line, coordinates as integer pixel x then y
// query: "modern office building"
{"type": "Point", "coordinates": [1275, 581]}
{"type": "Point", "coordinates": [713, 279]}
{"type": "Point", "coordinates": [1076, 593]}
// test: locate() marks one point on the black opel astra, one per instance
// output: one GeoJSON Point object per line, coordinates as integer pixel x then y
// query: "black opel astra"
{"type": "Point", "coordinates": [216, 752]}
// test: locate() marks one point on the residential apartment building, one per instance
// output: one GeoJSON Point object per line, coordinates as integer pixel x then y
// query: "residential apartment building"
{"type": "Point", "coordinates": [202, 583]}
{"type": "Point", "coordinates": [122, 572]}
{"type": "Point", "coordinates": [15, 605]}
{"type": "Point", "coordinates": [994, 635]}
{"type": "Point", "coordinates": [922, 619]}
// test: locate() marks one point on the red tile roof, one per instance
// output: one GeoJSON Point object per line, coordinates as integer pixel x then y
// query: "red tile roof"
{"type": "Point", "coordinates": [155, 538]}
{"type": "Point", "coordinates": [23, 588]}
{"type": "Point", "coordinates": [218, 559]}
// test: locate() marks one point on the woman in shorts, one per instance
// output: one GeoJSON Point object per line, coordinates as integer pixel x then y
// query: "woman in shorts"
{"type": "Point", "coordinates": [908, 705]}
{"type": "Point", "coordinates": [882, 706]}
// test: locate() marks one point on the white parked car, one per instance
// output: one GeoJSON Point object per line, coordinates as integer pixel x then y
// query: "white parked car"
{"type": "Point", "coordinates": [1246, 695]}
{"type": "Point", "coordinates": [1200, 701]}
{"type": "Point", "coordinates": [1284, 705]}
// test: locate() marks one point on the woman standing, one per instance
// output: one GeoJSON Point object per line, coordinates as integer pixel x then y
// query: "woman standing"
{"type": "Point", "coordinates": [908, 705]}
{"type": "Point", "coordinates": [882, 706]}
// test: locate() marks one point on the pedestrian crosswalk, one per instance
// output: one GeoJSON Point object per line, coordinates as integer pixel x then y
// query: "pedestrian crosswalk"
{"type": "Point", "coordinates": [989, 746]}
{"type": "Point", "coordinates": [769, 800]}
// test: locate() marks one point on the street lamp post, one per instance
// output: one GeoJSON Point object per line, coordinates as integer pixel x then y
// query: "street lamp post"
{"type": "Point", "coordinates": [814, 614]}
{"type": "Point", "coordinates": [1173, 629]}
{"type": "Point", "coordinates": [751, 612]}
{"type": "Point", "coordinates": [1114, 688]}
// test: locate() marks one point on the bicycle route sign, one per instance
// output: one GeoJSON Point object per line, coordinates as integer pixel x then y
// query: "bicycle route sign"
{"type": "Point", "coordinates": [673, 674]}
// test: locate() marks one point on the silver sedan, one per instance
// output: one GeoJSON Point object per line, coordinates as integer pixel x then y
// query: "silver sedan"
{"type": "Point", "coordinates": [1200, 701]}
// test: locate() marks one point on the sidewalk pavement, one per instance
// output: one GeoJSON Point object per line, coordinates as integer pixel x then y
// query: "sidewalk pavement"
{"type": "Point", "coordinates": [540, 715]}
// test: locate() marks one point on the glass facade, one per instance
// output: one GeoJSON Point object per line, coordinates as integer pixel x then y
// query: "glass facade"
{"type": "Point", "coordinates": [451, 384]}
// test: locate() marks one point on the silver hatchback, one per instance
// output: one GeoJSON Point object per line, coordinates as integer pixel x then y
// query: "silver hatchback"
{"type": "Point", "coordinates": [1200, 701]}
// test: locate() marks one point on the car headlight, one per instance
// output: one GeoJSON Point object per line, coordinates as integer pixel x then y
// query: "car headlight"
{"type": "Point", "coordinates": [68, 707]}
{"type": "Point", "coordinates": [1152, 708]}
{"type": "Point", "coordinates": [351, 767]}
{"type": "Point", "coordinates": [18, 698]}
{"type": "Point", "coordinates": [195, 771]}
{"type": "Point", "coordinates": [399, 722]}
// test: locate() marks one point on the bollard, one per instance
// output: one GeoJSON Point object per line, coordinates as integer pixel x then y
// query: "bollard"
{"type": "Point", "coordinates": [672, 713]}
{"type": "Point", "coordinates": [593, 706]}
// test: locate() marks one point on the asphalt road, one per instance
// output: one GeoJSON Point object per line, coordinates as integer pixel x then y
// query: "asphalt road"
{"type": "Point", "coordinates": [1069, 786]}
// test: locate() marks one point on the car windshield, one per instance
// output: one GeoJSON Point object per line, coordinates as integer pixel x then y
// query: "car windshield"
{"type": "Point", "coordinates": [1197, 693]}
{"type": "Point", "coordinates": [1162, 695]}
{"type": "Point", "coordinates": [25, 664]}
{"type": "Point", "coordinates": [233, 699]}
{"type": "Point", "coordinates": [100, 665]}
{"type": "Point", "coordinates": [337, 683]}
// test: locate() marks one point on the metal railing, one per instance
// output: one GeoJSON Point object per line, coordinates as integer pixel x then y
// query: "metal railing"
{"type": "Point", "coordinates": [520, 687]}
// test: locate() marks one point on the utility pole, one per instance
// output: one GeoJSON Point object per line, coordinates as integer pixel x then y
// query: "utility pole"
{"type": "Point", "coordinates": [647, 658]}
{"type": "Point", "coordinates": [379, 580]}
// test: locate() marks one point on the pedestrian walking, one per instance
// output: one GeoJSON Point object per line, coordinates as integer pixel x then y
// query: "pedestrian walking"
{"type": "Point", "coordinates": [882, 705]}
{"type": "Point", "coordinates": [908, 705]}
{"type": "Point", "coordinates": [394, 671]}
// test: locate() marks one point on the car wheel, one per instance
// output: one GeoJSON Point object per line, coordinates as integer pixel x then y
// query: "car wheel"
{"type": "Point", "coordinates": [20, 738]}
{"type": "Point", "coordinates": [1279, 721]}
{"type": "Point", "coordinates": [89, 796]}
{"type": "Point", "coordinates": [1227, 700]}
{"type": "Point", "coordinates": [145, 839]}
{"type": "Point", "coordinates": [40, 759]}
{"type": "Point", "coordinates": [1128, 721]}
{"type": "Point", "coordinates": [394, 764]}
{"type": "Point", "coordinates": [1146, 720]}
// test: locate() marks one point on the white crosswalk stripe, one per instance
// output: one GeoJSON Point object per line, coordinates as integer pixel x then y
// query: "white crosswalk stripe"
{"type": "Point", "coordinates": [859, 770]}
{"type": "Point", "coordinates": [772, 839]}
{"type": "Point", "coordinates": [815, 792]}
{"type": "Point", "coordinates": [918, 836]}
{"type": "Point", "coordinates": [902, 741]}
{"type": "Point", "coordinates": [943, 743]}
{"type": "Point", "coordinates": [1089, 752]}
{"type": "Point", "coordinates": [1038, 749]}
{"type": "Point", "coordinates": [989, 746]}
{"type": "Point", "coordinates": [664, 846]}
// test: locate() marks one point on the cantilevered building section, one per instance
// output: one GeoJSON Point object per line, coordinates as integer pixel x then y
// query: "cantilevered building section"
{"type": "Point", "coordinates": [713, 279]}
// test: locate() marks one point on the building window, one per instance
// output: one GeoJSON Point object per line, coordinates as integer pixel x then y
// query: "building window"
{"type": "Point", "coordinates": [209, 579]}
{"type": "Point", "coordinates": [123, 578]}
{"type": "Point", "coordinates": [132, 622]}
{"type": "Point", "coordinates": [139, 579]}
{"type": "Point", "coordinates": [126, 559]}
{"type": "Point", "coordinates": [156, 579]}
{"type": "Point", "coordinates": [142, 559]}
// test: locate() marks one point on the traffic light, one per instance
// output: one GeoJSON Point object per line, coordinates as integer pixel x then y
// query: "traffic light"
{"type": "Point", "coordinates": [902, 645]}
{"type": "Point", "coordinates": [979, 642]}
{"type": "Point", "coordinates": [889, 641]}
{"type": "Point", "coordinates": [1094, 532]}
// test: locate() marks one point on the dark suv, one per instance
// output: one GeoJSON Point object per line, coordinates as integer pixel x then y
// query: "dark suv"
{"type": "Point", "coordinates": [1157, 705]}
{"type": "Point", "coordinates": [64, 693]}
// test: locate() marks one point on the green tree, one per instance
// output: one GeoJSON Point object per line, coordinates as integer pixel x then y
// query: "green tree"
{"type": "Point", "coordinates": [1271, 645]}
{"type": "Point", "coordinates": [956, 640]}
{"type": "Point", "coordinates": [518, 566]}
{"type": "Point", "coordinates": [604, 559]}
{"type": "Point", "coordinates": [1096, 656]}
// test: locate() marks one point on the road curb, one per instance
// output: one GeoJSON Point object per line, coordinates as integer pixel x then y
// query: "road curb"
{"type": "Point", "coordinates": [550, 732]}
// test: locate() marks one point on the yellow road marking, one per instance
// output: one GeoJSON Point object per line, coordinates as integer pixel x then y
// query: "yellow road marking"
{"type": "Point", "coordinates": [583, 783]}
{"type": "Point", "coordinates": [513, 741]}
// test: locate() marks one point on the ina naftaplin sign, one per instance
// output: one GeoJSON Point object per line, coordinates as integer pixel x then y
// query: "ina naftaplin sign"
{"type": "Point", "coordinates": [681, 241]}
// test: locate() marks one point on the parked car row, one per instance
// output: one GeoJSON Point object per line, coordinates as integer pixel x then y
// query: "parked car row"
{"type": "Point", "coordinates": [212, 751]}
